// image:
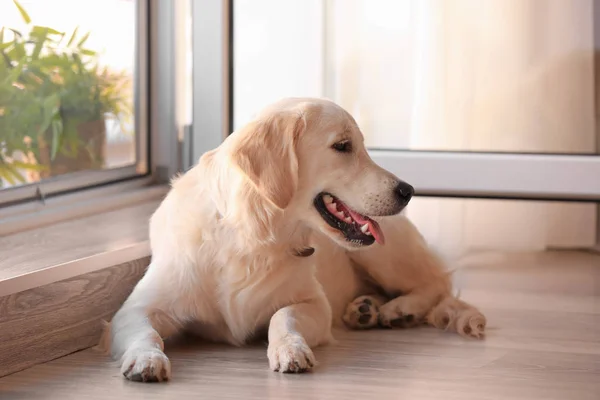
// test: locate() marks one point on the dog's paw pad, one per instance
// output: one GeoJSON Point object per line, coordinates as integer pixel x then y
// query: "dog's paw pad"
{"type": "Point", "coordinates": [291, 356]}
{"type": "Point", "coordinates": [401, 321]}
{"type": "Point", "coordinates": [362, 313]}
{"type": "Point", "coordinates": [146, 365]}
{"type": "Point", "coordinates": [472, 325]}
{"type": "Point", "coordinates": [391, 317]}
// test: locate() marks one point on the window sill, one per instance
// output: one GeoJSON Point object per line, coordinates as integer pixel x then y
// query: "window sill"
{"type": "Point", "coordinates": [64, 250]}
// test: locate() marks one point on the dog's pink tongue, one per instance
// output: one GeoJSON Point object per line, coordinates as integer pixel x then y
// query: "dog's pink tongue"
{"type": "Point", "coordinates": [376, 232]}
{"type": "Point", "coordinates": [373, 226]}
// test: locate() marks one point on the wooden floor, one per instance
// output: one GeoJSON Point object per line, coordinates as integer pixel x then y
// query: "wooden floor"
{"type": "Point", "coordinates": [543, 343]}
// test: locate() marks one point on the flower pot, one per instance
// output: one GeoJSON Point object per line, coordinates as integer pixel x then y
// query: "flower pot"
{"type": "Point", "coordinates": [89, 155]}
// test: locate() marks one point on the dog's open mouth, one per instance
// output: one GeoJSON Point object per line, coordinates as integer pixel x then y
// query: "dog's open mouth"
{"type": "Point", "coordinates": [357, 228]}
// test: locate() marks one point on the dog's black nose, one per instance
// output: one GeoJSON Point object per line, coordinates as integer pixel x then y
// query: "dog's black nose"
{"type": "Point", "coordinates": [404, 192]}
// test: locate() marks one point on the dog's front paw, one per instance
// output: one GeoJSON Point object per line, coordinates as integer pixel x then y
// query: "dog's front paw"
{"type": "Point", "coordinates": [146, 365]}
{"type": "Point", "coordinates": [471, 323]}
{"type": "Point", "coordinates": [456, 315]}
{"type": "Point", "coordinates": [399, 313]}
{"type": "Point", "coordinates": [290, 354]}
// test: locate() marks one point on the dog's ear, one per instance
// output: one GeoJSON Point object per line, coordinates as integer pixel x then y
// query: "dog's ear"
{"type": "Point", "coordinates": [266, 153]}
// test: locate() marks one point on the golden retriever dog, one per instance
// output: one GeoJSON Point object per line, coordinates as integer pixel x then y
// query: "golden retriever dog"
{"type": "Point", "coordinates": [287, 229]}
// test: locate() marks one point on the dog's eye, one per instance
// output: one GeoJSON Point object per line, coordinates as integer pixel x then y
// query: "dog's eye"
{"type": "Point", "coordinates": [344, 146]}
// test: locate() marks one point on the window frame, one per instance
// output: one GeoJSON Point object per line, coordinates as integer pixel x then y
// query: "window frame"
{"type": "Point", "coordinates": [212, 52]}
{"type": "Point", "coordinates": [549, 177]}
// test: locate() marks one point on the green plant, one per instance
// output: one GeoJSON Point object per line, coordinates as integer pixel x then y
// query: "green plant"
{"type": "Point", "coordinates": [48, 90]}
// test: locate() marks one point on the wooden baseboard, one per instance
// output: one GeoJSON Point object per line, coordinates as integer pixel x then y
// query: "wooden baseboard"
{"type": "Point", "coordinates": [51, 321]}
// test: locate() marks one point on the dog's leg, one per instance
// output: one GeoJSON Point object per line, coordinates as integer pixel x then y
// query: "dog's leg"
{"type": "Point", "coordinates": [416, 281]}
{"type": "Point", "coordinates": [294, 330]}
{"type": "Point", "coordinates": [135, 334]}
{"type": "Point", "coordinates": [456, 315]}
{"type": "Point", "coordinates": [410, 310]}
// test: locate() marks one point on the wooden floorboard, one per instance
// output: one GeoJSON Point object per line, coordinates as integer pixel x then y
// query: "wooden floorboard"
{"type": "Point", "coordinates": [543, 342]}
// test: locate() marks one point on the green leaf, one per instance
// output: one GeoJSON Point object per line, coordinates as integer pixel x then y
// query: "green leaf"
{"type": "Point", "coordinates": [52, 104]}
{"type": "Point", "coordinates": [23, 12]}
{"type": "Point", "coordinates": [83, 39]}
{"type": "Point", "coordinates": [6, 174]}
{"type": "Point", "coordinates": [37, 30]}
{"type": "Point", "coordinates": [29, 166]}
{"type": "Point", "coordinates": [56, 137]}
{"type": "Point", "coordinates": [40, 44]}
{"type": "Point", "coordinates": [16, 174]}
{"type": "Point", "coordinates": [50, 108]}
{"type": "Point", "coordinates": [18, 51]}
{"type": "Point", "coordinates": [7, 61]}
{"type": "Point", "coordinates": [16, 32]}
{"type": "Point", "coordinates": [53, 31]}
{"type": "Point", "coordinates": [87, 52]}
{"type": "Point", "coordinates": [10, 174]}
{"type": "Point", "coordinates": [2, 35]}
{"type": "Point", "coordinates": [43, 30]}
{"type": "Point", "coordinates": [78, 63]}
{"type": "Point", "coordinates": [73, 36]}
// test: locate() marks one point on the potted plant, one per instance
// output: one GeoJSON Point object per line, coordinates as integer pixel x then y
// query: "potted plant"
{"type": "Point", "coordinates": [54, 102]}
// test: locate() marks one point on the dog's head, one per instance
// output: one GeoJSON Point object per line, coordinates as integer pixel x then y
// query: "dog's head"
{"type": "Point", "coordinates": [307, 158]}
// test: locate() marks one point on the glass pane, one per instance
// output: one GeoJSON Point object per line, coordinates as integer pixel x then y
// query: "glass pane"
{"type": "Point", "coordinates": [66, 87]}
{"type": "Point", "coordinates": [459, 228]}
{"type": "Point", "coordinates": [452, 75]}
{"type": "Point", "coordinates": [277, 52]}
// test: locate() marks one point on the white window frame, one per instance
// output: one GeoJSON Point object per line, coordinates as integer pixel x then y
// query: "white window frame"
{"type": "Point", "coordinates": [212, 50]}
{"type": "Point", "coordinates": [496, 175]}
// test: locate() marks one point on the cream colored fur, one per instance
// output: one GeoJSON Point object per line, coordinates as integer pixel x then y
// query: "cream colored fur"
{"type": "Point", "coordinates": [226, 239]}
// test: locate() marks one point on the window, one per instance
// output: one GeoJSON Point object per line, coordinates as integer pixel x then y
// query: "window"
{"type": "Point", "coordinates": [516, 76]}
{"type": "Point", "coordinates": [505, 90]}
{"type": "Point", "coordinates": [70, 113]}
{"type": "Point", "coordinates": [491, 99]}
{"type": "Point", "coordinates": [385, 61]}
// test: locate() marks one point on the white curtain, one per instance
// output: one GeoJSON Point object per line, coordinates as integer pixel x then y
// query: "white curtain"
{"type": "Point", "coordinates": [472, 75]}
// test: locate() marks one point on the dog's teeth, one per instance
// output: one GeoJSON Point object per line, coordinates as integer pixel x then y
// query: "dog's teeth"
{"type": "Point", "coordinates": [348, 220]}
{"type": "Point", "coordinates": [328, 199]}
{"type": "Point", "coordinates": [340, 214]}
{"type": "Point", "coordinates": [365, 228]}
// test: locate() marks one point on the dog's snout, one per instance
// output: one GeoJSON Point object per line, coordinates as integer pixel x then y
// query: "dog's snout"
{"type": "Point", "coordinates": [404, 192]}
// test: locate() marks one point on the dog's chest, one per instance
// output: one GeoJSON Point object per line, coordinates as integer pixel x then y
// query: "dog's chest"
{"type": "Point", "coordinates": [250, 293]}
{"type": "Point", "coordinates": [337, 276]}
